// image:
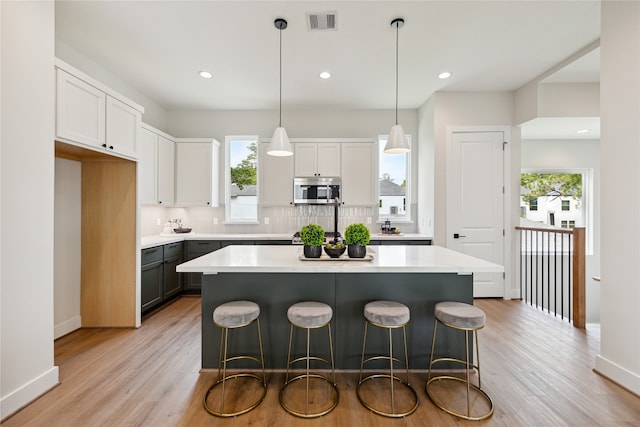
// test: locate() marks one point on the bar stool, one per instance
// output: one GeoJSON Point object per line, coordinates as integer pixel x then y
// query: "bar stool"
{"type": "Point", "coordinates": [389, 315]}
{"type": "Point", "coordinates": [228, 316]}
{"type": "Point", "coordinates": [467, 318]}
{"type": "Point", "coordinates": [309, 315]}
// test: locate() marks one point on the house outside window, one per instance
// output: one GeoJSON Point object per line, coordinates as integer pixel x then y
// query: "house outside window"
{"type": "Point", "coordinates": [393, 184]}
{"type": "Point", "coordinates": [241, 183]}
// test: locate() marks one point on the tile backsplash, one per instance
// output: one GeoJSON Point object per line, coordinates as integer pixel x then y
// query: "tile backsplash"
{"type": "Point", "coordinates": [285, 219]}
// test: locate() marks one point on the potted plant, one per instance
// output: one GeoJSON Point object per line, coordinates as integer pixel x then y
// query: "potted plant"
{"type": "Point", "coordinates": [312, 236]}
{"type": "Point", "coordinates": [357, 236]}
{"type": "Point", "coordinates": [335, 250]}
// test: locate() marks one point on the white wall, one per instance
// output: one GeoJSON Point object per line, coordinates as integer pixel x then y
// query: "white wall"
{"type": "Point", "coordinates": [26, 215]}
{"type": "Point", "coordinates": [67, 246]}
{"type": "Point", "coordinates": [573, 154]}
{"type": "Point", "coordinates": [619, 357]}
{"type": "Point", "coordinates": [154, 114]}
{"type": "Point", "coordinates": [465, 109]}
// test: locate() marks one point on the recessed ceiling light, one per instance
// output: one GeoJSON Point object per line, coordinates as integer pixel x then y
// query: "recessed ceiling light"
{"type": "Point", "coordinates": [205, 74]}
{"type": "Point", "coordinates": [584, 131]}
{"type": "Point", "coordinates": [325, 75]}
{"type": "Point", "coordinates": [444, 75]}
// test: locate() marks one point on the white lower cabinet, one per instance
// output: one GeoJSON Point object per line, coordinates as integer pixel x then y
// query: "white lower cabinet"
{"type": "Point", "coordinates": [197, 170]}
{"type": "Point", "coordinates": [90, 115]}
{"type": "Point", "coordinates": [358, 173]}
{"type": "Point", "coordinates": [156, 167]}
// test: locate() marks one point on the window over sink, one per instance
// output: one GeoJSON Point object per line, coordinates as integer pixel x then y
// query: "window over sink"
{"type": "Point", "coordinates": [393, 184]}
{"type": "Point", "coordinates": [241, 179]}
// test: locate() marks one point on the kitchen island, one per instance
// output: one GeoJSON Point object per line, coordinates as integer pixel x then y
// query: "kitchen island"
{"type": "Point", "coordinates": [276, 277]}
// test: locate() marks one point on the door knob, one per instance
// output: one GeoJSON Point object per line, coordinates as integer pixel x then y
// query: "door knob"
{"type": "Point", "coordinates": [456, 236]}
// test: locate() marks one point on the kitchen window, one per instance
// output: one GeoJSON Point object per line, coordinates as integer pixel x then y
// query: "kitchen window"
{"type": "Point", "coordinates": [393, 184]}
{"type": "Point", "coordinates": [241, 183]}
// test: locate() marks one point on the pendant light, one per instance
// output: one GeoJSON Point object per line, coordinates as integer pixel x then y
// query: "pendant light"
{"type": "Point", "coordinates": [280, 144]}
{"type": "Point", "coordinates": [397, 141]}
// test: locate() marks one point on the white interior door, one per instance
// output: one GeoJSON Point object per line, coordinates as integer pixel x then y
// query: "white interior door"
{"type": "Point", "coordinates": [475, 203]}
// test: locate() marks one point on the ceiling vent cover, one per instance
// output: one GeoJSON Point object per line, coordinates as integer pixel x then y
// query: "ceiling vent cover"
{"type": "Point", "coordinates": [321, 21]}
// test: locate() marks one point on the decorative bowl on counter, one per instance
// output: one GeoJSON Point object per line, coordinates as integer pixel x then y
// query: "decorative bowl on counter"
{"type": "Point", "coordinates": [182, 230]}
{"type": "Point", "coordinates": [335, 251]}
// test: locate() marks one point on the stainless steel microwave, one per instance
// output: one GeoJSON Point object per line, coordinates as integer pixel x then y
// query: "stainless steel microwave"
{"type": "Point", "coordinates": [316, 190]}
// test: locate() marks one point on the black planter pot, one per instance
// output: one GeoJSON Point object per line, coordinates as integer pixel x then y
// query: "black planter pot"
{"type": "Point", "coordinates": [355, 251]}
{"type": "Point", "coordinates": [312, 251]}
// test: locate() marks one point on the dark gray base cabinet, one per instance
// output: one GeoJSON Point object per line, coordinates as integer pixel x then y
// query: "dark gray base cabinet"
{"type": "Point", "coordinates": [158, 278]}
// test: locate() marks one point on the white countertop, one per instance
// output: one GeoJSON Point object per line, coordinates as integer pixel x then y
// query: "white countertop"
{"type": "Point", "coordinates": [386, 259]}
{"type": "Point", "coordinates": [151, 241]}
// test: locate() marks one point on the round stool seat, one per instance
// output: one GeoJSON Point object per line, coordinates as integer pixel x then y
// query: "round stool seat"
{"type": "Point", "coordinates": [233, 314]}
{"type": "Point", "coordinates": [387, 313]}
{"type": "Point", "coordinates": [460, 315]}
{"type": "Point", "coordinates": [309, 314]}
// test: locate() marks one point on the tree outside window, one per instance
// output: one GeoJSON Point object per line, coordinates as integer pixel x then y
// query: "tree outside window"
{"type": "Point", "coordinates": [552, 198]}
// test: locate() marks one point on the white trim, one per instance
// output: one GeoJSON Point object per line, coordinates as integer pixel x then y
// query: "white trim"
{"type": "Point", "coordinates": [28, 392]}
{"type": "Point", "coordinates": [66, 326]}
{"type": "Point", "coordinates": [618, 374]}
{"type": "Point", "coordinates": [307, 140]}
{"type": "Point", "coordinates": [227, 180]}
{"type": "Point", "coordinates": [509, 274]}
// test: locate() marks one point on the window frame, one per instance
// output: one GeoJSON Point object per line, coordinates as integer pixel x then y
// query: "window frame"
{"type": "Point", "coordinates": [228, 140]}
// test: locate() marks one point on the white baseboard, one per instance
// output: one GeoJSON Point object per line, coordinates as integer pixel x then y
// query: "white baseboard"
{"type": "Point", "coordinates": [30, 391]}
{"type": "Point", "coordinates": [67, 326]}
{"type": "Point", "coordinates": [618, 374]}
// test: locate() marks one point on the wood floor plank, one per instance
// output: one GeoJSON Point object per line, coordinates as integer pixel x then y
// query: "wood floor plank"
{"type": "Point", "coordinates": [537, 369]}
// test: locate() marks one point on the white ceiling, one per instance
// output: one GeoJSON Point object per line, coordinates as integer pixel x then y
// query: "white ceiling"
{"type": "Point", "coordinates": [158, 47]}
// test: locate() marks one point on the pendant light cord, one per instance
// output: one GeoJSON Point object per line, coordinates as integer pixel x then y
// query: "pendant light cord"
{"type": "Point", "coordinates": [280, 119]}
{"type": "Point", "coordinates": [397, 35]}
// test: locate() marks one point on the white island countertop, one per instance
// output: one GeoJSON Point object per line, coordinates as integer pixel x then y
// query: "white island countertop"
{"type": "Point", "coordinates": [386, 259]}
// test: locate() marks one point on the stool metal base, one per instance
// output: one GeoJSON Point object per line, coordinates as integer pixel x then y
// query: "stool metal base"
{"type": "Point", "coordinates": [307, 375]}
{"type": "Point", "coordinates": [468, 366]}
{"type": "Point", "coordinates": [224, 359]}
{"type": "Point", "coordinates": [222, 413]}
{"type": "Point", "coordinates": [390, 376]}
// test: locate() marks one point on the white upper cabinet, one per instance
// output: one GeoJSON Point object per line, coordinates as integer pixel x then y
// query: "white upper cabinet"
{"type": "Point", "coordinates": [166, 171]}
{"type": "Point", "coordinates": [316, 159]}
{"type": "Point", "coordinates": [80, 111]}
{"type": "Point", "coordinates": [276, 178]}
{"type": "Point", "coordinates": [123, 128]}
{"type": "Point", "coordinates": [359, 183]}
{"type": "Point", "coordinates": [156, 167]}
{"type": "Point", "coordinates": [197, 170]}
{"type": "Point", "coordinates": [148, 167]}
{"type": "Point", "coordinates": [91, 115]}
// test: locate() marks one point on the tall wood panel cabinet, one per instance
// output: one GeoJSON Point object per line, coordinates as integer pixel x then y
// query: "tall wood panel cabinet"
{"type": "Point", "coordinates": [101, 128]}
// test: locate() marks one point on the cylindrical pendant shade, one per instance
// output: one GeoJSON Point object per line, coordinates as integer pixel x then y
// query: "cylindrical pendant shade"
{"type": "Point", "coordinates": [280, 144]}
{"type": "Point", "coordinates": [397, 142]}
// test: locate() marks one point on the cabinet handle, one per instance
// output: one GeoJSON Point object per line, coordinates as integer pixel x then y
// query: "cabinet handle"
{"type": "Point", "coordinates": [111, 147]}
{"type": "Point", "coordinates": [159, 202]}
{"type": "Point", "coordinates": [104, 145]}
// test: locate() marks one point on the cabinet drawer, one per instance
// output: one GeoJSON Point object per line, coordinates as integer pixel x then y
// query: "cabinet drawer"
{"type": "Point", "coordinates": [172, 250]}
{"type": "Point", "coordinates": [151, 255]}
{"type": "Point", "coordinates": [202, 246]}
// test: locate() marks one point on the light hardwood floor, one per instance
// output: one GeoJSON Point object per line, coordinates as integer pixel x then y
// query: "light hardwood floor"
{"type": "Point", "coordinates": [537, 368]}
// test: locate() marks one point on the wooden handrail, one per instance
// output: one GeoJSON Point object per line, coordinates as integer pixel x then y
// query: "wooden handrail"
{"type": "Point", "coordinates": [547, 230]}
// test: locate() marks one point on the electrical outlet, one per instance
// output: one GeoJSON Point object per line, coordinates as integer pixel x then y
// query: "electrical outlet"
{"type": "Point", "coordinates": [266, 220]}
{"type": "Point", "coordinates": [368, 220]}
{"type": "Point", "coordinates": [158, 221]}
{"type": "Point", "coordinates": [215, 220]}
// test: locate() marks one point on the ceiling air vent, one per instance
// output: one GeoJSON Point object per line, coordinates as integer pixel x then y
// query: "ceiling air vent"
{"type": "Point", "coordinates": [321, 21]}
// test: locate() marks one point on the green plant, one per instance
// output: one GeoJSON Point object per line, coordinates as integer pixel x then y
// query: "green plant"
{"type": "Point", "coordinates": [357, 234]}
{"type": "Point", "coordinates": [335, 246]}
{"type": "Point", "coordinates": [312, 235]}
